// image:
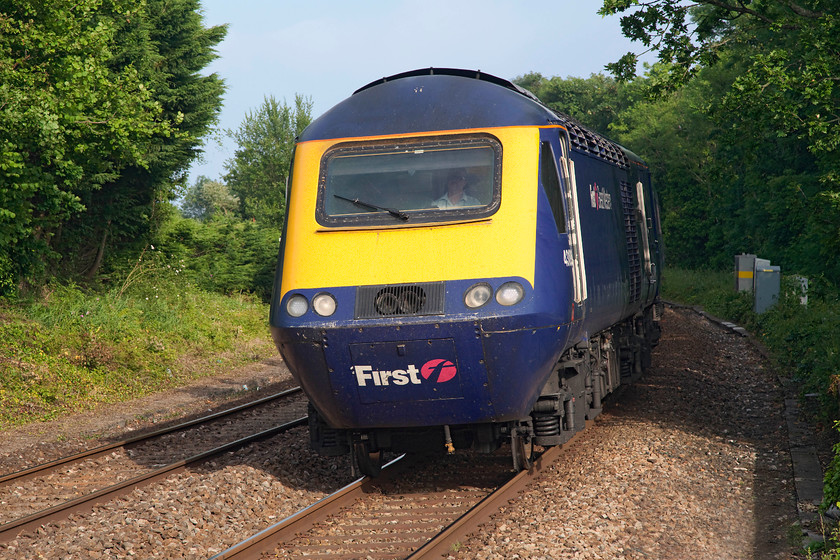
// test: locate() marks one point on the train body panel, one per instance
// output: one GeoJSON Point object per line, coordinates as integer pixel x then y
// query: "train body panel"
{"type": "Point", "coordinates": [457, 255]}
{"type": "Point", "coordinates": [450, 250]}
{"type": "Point", "coordinates": [459, 372]}
{"type": "Point", "coordinates": [605, 249]}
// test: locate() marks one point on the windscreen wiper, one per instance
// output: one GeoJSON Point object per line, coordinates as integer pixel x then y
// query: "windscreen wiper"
{"type": "Point", "coordinates": [396, 213]}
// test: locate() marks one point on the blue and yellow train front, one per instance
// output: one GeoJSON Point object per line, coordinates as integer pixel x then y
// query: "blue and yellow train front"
{"type": "Point", "coordinates": [394, 308]}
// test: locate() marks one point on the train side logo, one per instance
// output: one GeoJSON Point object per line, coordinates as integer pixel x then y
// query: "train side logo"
{"type": "Point", "coordinates": [438, 370]}
{"type": "Point", "coordinates": [599, 198]}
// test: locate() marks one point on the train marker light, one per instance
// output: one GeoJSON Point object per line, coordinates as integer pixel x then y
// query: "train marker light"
{"type": "Point", "coordinates": [324, 304]}
{"type": "Point", "coordinates": [297, 305]}
{"type": "Point", "coordinates": [478, 295]}
{"type": "Point", "coordinates": [510, 293]}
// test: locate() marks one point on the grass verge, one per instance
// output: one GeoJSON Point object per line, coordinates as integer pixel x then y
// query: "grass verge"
{"type": "Point", "coordinates": [70, 349]}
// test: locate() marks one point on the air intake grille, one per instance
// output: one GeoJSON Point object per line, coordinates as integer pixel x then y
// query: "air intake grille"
{"type": "Point", "coordinates": [587, 141]}
{"type": "Point", "coordinates": [373, 302]}
{"type": "Point", "coordinates": [632, 241]}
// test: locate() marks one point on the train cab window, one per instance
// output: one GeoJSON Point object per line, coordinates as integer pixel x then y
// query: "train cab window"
{"type": "Point", "coordinates": [551, 184]}
{"type": "Point", "coordinates": [410, 181]}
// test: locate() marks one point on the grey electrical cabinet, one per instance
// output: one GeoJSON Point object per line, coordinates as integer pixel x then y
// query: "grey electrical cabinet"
{"type": "Point", "coordinates": [767, 285]}
{"type": "Point", "coordinates": [760, 278]}
{"type": "Point", "coordinates": [744, 272]}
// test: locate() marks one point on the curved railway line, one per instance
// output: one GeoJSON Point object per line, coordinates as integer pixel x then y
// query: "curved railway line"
{"type": "Point", "coordinates": [54, 490]}
{"type": "Point", "coordinates": [687, 463]}
{"type": "Point", "coordinates": [416, 509]}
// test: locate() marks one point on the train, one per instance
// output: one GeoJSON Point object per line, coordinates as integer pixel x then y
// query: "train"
{"type": "Point", "coordinates": [461, 267]}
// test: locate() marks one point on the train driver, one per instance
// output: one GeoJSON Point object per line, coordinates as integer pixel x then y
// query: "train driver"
{"type": "Point", "coordinates": [455, 196]}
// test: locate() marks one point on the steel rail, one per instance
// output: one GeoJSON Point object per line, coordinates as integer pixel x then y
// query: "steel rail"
{"type": "Point", "coordinates": [254, 546]}
{"type": "Point", "coordinates": [9, 530]}
{"type": "Point", "coordinates": [442, 544]}
{"type": "Point", "coordinates": [26, 474]}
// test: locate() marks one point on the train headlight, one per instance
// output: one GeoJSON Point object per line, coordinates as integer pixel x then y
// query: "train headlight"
{"type": "Point", "coordinates": [297, 305]}
{"type": "Point", "coordinates": [510, 293]}
{"type": "Point", "coordinates": [324, 304]}
{"type": "Point", "coordinates": [478, 295]}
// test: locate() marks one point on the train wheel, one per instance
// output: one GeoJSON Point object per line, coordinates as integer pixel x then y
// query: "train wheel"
{"type": "Point", "coordinates": [370, 463]}
{"type": "Point", "coordinates": [523, 452]}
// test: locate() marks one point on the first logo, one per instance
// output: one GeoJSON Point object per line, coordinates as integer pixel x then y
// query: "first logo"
{"type": "Point", "coordinates": [438, 371]}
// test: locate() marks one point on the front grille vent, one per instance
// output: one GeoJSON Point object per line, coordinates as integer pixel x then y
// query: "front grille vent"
{"type": "Point", "coordinates": [401, 300]}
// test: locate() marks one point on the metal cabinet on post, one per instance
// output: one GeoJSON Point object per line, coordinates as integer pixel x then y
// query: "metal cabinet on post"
{"type": "Point", "coordinates": [767, 285]}
{"type": "Point", "coordinates": [744, 272]}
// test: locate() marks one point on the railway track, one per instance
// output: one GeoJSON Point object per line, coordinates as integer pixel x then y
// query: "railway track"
{"type": "Point", "coordinates": [688, 463]}
{"type": "Point", "coordinates": [54, 490]}
{"type": "Point", "coordinates": [417, 509]}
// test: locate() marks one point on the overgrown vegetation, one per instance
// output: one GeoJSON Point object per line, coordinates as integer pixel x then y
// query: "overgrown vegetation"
{"type": "Point", "coordinates": [105, 104]}
{"type": "Point", "coordinates": [68, 349]}
{"type": "Point", "coordinates": [223, 254]}
{"type": "Point", "coordinates": [108, 290]}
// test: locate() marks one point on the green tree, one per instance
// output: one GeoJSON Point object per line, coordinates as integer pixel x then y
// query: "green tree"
{"type": "Point", "coordinates": [206, 198]}
{"type": "Point", "coordinates": [168, 45]}
{"type": "Point", "coordinates": [595, 101]}
{"type": "Point", "coordinates": [257, 173]}
{"type": "Point", "coordinates": [676, 139]}
{"type": "Point", "coordinates": [70, 121]}
{"type": "Point", "coordinates": [779, 114]}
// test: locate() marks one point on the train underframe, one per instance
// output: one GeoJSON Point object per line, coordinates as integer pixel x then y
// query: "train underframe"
{"type": "Point", "coordinates": [582, 378]}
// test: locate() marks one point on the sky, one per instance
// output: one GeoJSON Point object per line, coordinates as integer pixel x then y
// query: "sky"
{"type": "Point", "coordinates": [327, 49]}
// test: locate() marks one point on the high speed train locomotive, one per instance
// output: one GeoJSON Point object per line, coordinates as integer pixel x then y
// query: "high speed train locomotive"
{"type": "Point", "coordinates": [461, 266]}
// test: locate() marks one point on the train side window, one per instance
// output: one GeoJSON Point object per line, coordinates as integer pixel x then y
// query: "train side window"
{"type": "Point", "coordinates": [550, 181]}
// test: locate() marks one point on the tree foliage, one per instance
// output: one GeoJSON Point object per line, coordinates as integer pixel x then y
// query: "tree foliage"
{"type": "Point", "coordinates": [763, 81]}
{"type": "Point", "coordinates": [102, 109]}
{"type": "Point", "coordinates": [258, 171]}
{"type": "Point", "coordinates": [169, 46]}
{"type": "Point", "coordinates": [596, 101]}
{"type": "Point", "coordinates": [793, 47]}
{"type": "Point", "coordinates": [207, 198]}
{"type": "Point", "coordinates": [69, 121]}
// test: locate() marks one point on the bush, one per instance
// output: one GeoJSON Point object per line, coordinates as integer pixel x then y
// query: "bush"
{"type": "Point", "coordinates": [805, 341]}
{"type": "Point", "coordinates": [224, 254]}
{"type": "Point", "coordinates": [714, 291]}
{"type": "Point", "coordinates": [189, 304]}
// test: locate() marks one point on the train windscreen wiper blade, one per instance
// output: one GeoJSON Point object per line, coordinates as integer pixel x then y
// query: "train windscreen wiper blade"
{"type": "Point", "coordinates": [396, 213]}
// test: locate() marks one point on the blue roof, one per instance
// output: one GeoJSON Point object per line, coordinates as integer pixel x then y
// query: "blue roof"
{"type": "Point", "coordinates": [431, 99]}
{"type": "Point", "coordinates": [428, 100]}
